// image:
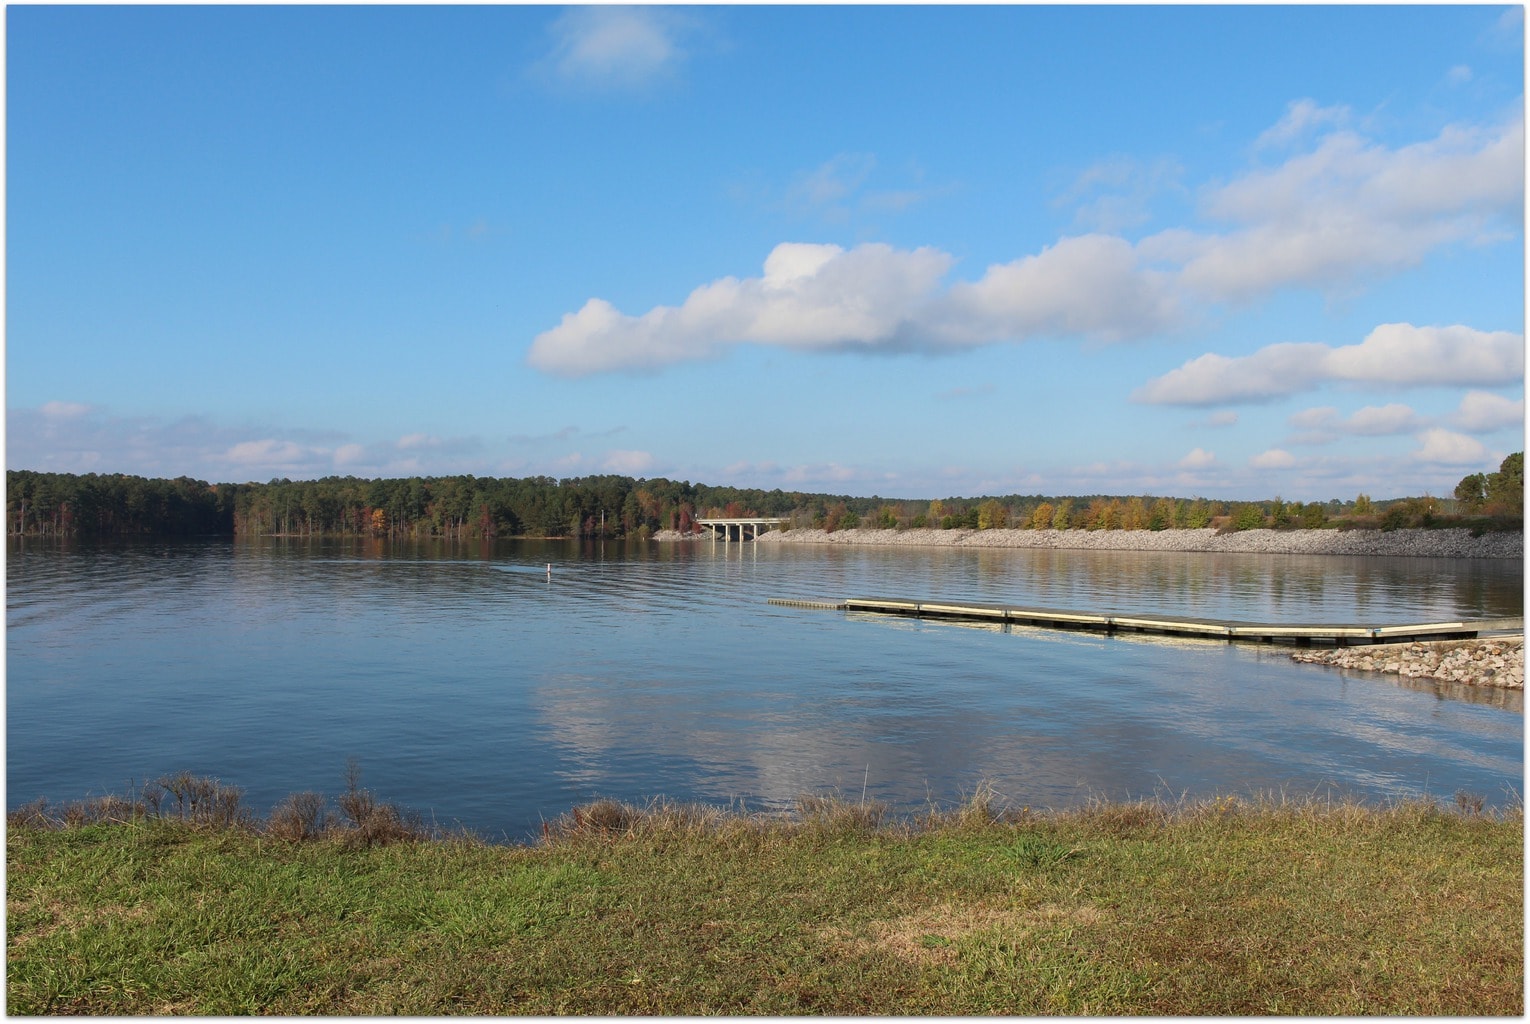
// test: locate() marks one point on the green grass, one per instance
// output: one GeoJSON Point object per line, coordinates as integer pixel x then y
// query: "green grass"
{"type": "Point", "coordinates": [1212, 908]}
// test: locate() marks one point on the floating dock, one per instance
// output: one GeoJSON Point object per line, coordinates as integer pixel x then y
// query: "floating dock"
{"type": "Point", "coordinates": [1301, 634]}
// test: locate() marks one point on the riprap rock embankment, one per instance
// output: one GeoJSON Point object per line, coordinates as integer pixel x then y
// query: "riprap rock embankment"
{"type": "Point", "coordinates": [1452, 543]}
{"type": "Point", "coordinates": [1491, 661]}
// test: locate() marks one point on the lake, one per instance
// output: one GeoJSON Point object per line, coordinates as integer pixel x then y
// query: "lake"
{"type": "Point", "coordinates": [472, 687]}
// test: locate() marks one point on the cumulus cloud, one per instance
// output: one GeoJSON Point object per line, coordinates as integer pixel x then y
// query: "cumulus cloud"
{"type": "Point", "coordinates": [1275, 458]}
{"type": "Point", "coordinates": [1335, 209]}
{"type": "Point", "coordinates": [1090, 286]}
{"type": "Point", "coordinates": [1323, 417]}
{"type": "Point", "coordinates": [1324, 424]}
{"type": "Point", "coordinates": [1449, 448]}
{"type": "Point", "coordinates": [1421, 356]}
{"type": "Point", "coordinates": [266, 453]}
{"type": "Point", "coordinates": [613, 47]}
{"type": "Point", "coordinates": [1198, 458]}
{"type": "Point", "coordinates": [1483, 411]}
{"type": "Point", "coordinates": [872, 297]}
{"type": "Point", "coordinates": [1392, 354]}
{"type": "Point", "coordinates": [627, 462]}
{"type": "Point", "coordinates": [1349, 208]}
{"type": "Point", "coordinates": [809, 297]}
{"type": "Point", "coordinates": [1381, 420]}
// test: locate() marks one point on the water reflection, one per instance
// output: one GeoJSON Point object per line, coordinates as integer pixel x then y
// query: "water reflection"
{"type": "Point", "coordinates": [471, 685]}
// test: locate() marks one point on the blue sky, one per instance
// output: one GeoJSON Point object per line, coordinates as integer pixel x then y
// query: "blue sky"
{"type": "Point", "coordinates": [1233, 252]}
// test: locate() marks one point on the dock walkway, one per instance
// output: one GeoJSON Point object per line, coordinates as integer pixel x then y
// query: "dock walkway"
{"type": "Point", "coordinates": [1301, 634]}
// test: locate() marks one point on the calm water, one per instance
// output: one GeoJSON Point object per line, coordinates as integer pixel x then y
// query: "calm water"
{"type": "Point", "coordinates": [472, 688]}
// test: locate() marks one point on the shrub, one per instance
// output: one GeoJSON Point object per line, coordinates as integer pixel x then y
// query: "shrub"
{"type": "Point", "coordinates": [199, 800]}
{"type": "Point", "coordinates": [299, 818]}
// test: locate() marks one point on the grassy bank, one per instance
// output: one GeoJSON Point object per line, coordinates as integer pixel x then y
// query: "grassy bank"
{"type": "Point", "coordinates": [1215, 908]}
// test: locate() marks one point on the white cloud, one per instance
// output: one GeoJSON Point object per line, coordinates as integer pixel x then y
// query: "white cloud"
{"type": "Point", "coordinates": [1483, 411]}
{"type": "Point", "coordinates": [1091, 286]}
{"type": "Point", "coordinates": [1275, 458]}
{"type": "Point", "coordinates": [1341, 209]}
{"type": "Point", "coordinates": [1349, 209]}
{"type": "Point", "coordinates": [627, 462]}
{"type": "Point", "coordinates": [64, 410]}
{"type": "Point", "coordinates": [1459, 75]}
{"type": "Point", "coordinates": [613, 47]}
{"type": "Point", "coordinates": [349, 454]}
{"type": "Point", "coordinates": [1199, 458]}
{"type": "Point", "coordinates": [872, 297]}
{"type": "Point", "coordinates": [1214, 379]}
{"type": "Point", "coordinates": [1323, 417]}
{"type": "Point", "coordinates": [809, 297]}
{"type": "Point", "coordinates": [1392, 354]}
{"type": "Point", "coordinates": [1300, 119]}
{"type": "Point", "coordinates": [1324, 422]}
{"type": "Point", "coordinates": [266, 453]}
{"type": "Point", "coordinates": [1382, 420]}
{"type": "Point", "coordinates": [1118, 192]}
{"type": "Point", "coordinates": [1444, 446]}
{"type": "Point", "coordinates": [205, 449]}
{"type": "Point", "coordinates": [1423, 356]}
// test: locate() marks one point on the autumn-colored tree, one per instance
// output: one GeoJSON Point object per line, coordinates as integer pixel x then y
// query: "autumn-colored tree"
{"type": "Point", "coordinates": [1041, 516]}
{"type": "Point", "coordinates": [1165, 515]}
{"type": "Point", "coordinates": [1102, 514]}
{"type": "Point", "coordinates": [1063, 517]}
{"type": "Point", "coordinates": [1363, 506]}
{"type": "Point", "coordinates": [937, 510]}
{"type": "Point", "coordinates": [992, 515]}
{"type": "Point", "coordinates": [379, 523]}
{"type": "Point", "coordinates": [1135, 515]}
{"type": "Point", "coordinates": [834, 516]}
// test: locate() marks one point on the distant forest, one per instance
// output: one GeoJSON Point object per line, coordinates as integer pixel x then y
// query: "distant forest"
{"type": "Point", "coordinates": [468, 507]}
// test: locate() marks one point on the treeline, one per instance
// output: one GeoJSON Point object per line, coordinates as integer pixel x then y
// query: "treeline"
{"type": "Point", "coordinates": [456, 507]}
{"type": "Point", "coordinates": [468, 507]}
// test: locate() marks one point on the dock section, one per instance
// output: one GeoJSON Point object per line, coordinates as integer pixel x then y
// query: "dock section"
{"type": "Point", "coordinates": [1301, 634]}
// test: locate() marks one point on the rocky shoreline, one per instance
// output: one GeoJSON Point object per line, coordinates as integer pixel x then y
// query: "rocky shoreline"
{"type": "Point", "coordinates": [1489, 661]}
{"type": "Point", "coordinates": [1451, 543]}
{"type": "Point", "coordinates": [1412, 543]}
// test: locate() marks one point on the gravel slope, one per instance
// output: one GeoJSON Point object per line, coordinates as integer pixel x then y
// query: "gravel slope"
{"type": "Point", "coordinates": [1455, 543]}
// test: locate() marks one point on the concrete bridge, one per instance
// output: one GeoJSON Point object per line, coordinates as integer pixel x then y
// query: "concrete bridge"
{"type": "Point", "coordinates": [740, 529]}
